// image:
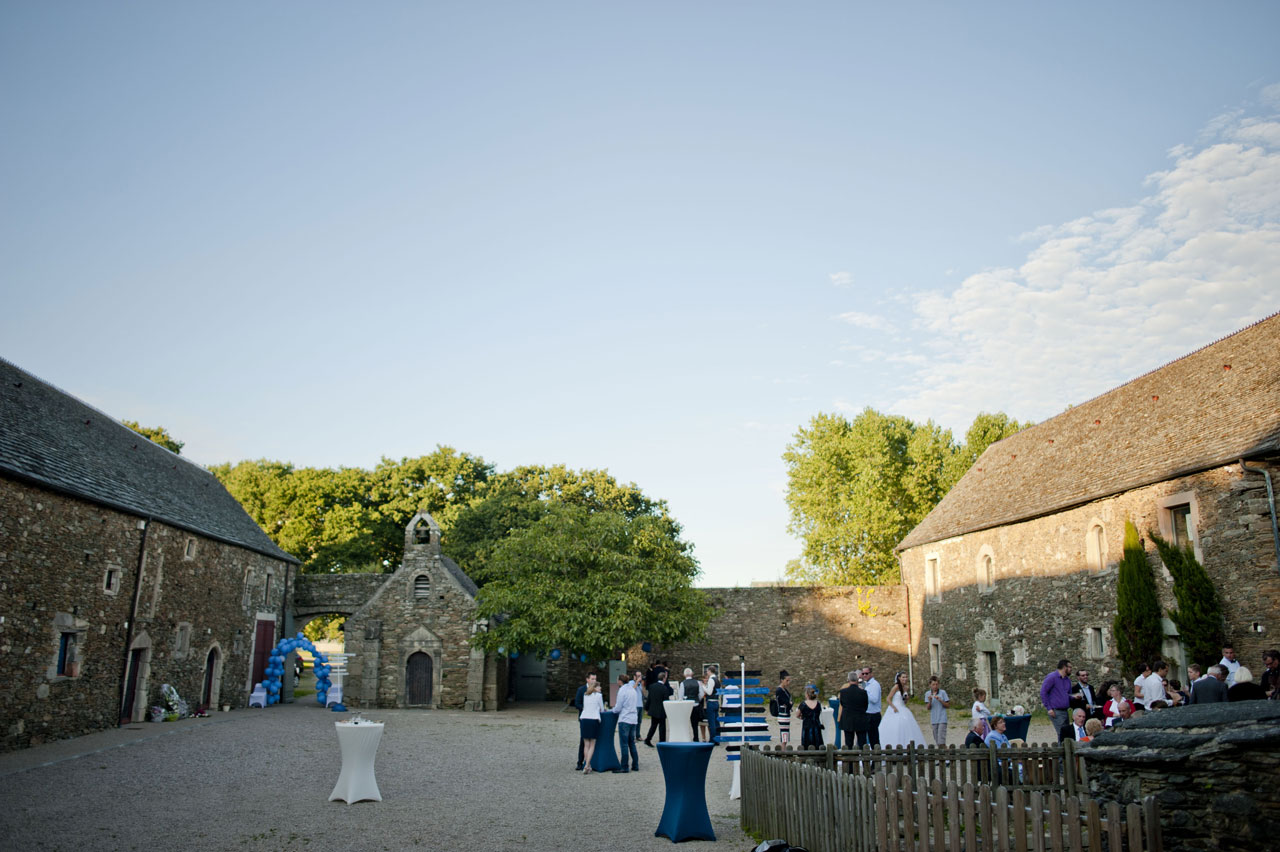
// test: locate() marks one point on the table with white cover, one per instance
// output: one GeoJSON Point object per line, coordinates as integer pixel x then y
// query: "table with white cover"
{"type": "Point", "coordinates": [359, 744]}
{"type": "Point", "coordinates": [679, 721]}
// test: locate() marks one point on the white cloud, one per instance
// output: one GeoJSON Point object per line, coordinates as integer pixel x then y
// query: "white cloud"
{"type": "Point", "coordinates": [841, 279]}
{"type": "Point", "coordinates": [871, 322]}
{"type": "Point", "coordinates": [1108, 296]}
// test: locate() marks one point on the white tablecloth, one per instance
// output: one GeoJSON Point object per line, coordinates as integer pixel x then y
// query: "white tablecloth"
{"type": "Point", "coordinates": [828, 726]}
{"type": "Point", "coordinates": [359, 744]}
{"type": "Point", "coordinates": [679, 726]}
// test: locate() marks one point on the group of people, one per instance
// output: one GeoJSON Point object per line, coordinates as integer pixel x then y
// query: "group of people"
{"type": "Point", "coordinates": [637, 694]}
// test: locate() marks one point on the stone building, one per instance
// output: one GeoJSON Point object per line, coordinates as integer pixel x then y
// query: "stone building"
{"type": "Point", "coordinates": [1016, 567]}
{"type": "Point", "coordinates": [122, 567]}
{"type": "Point", "coordinates": [411, 641]}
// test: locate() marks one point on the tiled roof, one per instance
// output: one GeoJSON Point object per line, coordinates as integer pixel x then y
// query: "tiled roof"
{"type": "Point", "coordinates": [461, 576]}
{"type": "Point", "coordinates": [1209, 408]}
{"type": "Point", "coordinates": [51, 439]}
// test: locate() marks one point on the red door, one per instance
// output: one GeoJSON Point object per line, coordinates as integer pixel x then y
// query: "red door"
{"type": "Point", "coordinates": [264, 640]}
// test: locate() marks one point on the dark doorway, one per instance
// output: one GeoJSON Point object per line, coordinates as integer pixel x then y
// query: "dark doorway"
{"type": "Point", "coordinates": [131, 685]}
{"type": "Point", "coordinates": [417, 680]}
{"type": "Point", "coordinates": [264, 639]}
{"type": "Point", "coordinates": [210, 665]}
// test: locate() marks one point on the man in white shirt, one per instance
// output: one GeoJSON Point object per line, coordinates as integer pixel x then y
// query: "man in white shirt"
{"type": "Point", "coordinates": [1153, 684]}
{"type": "Point", "coordinates": [627, 708]}
{"type": "Point", "coordinates": [1230, 663]}
{"type": "Point", "coordinates": [872, 688]}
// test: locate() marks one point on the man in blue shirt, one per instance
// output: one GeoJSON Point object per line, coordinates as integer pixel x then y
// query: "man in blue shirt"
{"type": "Point", "coordinates": [872, 686]}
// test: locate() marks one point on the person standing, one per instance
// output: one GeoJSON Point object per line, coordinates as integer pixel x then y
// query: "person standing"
{"type": "Point", "coordinates": [782, 696]}
{"type": "Point", "coordinates": [1271, 673]}
{"type": "Point", "coordinates": [1144, 669]}
{"type": "Point", "coordinates": [1211, 689]}
{"type": "Point", "coordinates": [1085, 696]}
{"type": "Point", "coordinates": [810, 713]}
{"type": "Point", "coordinates": [691, 690]}
{"type": "Point", "coordinates": [1153, 684]}
{"type": "Point", "coordinates": [628, 720]}
{"type": "Point", "coordinates": [1055, 695]}
{"type": "Point", "coordinates": [1230, 663]}
{"type": "Point", "coordinates": [589, 722]}
{"type": "Point", "coordinates": [658, 693]}
{"type": "Point", "coordinates": [937, 700]}
{"type": "Point", "coordinates": [872, 686]}
{"type": "Point", "coordinates": [578, 704]}
{"type": "Point", "coordinates": [853, 712]}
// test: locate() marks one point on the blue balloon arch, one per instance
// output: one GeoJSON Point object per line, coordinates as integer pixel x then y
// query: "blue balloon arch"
{"type": "Point", "coordinates": [275, 669]}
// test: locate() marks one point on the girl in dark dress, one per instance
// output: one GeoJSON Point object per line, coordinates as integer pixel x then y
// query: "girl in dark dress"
{"type": "Point", "coordinates": [810, 713]}
{"type": "Point", "coordinates": [783, 695]}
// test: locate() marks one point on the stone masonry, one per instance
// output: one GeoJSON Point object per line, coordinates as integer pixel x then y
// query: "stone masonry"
{"type": "Point", "coordinates": [69, 566]}
{"type": "Point", "coordinates": [1054, 593]}
{"type": "Point", "coordinates": [1214, 769]}
{"type": "Point", "coordinates": [817, 633]}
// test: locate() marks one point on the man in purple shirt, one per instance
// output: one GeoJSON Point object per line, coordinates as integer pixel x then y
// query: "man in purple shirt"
{"type": "Point", "coordinates": [1055, 695]}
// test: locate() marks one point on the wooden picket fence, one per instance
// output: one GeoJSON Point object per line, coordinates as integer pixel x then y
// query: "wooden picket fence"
{"type": "Point", "coordinates": [828, 811]}
{"type": "Point", "coordinates": [1047, 768]}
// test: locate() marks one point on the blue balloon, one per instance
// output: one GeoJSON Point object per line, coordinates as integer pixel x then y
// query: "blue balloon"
{"type": "Point", "coordinates": [301, 635]}
{"type": "Point", "coordinates": [584, 658]}
{"type": "Point", "coordinates": [555, 653]}
{"type": "Point", "coordinates": [502, 650]}
{"type": "Point", "coordinates": [515, 654]}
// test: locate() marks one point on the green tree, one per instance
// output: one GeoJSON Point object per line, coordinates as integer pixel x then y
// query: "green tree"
{"type": "Point", "coordinates": [158, 434]}
{"type": "Point", "coordinates": [590, 582]}
{"type": "Point", "coordinates": [856, 488]}
{"type": "Point", "coordinates": [1137, 626]}
{"type": "Point", "coordinates": [1199, 619]}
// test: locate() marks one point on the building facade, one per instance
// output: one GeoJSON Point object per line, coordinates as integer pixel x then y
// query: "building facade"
{"type": "Point", "coordinates": [122, 567]}
{"type": "Point", "coordinates": [1017, 566]}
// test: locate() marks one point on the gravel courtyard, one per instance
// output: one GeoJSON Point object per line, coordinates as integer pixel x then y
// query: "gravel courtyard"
{"type": "Point", "coordinates": [260, 779]}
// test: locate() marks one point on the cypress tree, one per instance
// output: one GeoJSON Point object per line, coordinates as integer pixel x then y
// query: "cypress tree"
{"type": "Point", "coordinates": [1201, 627]}
{"type": "Point", "coordinates": [1137, 627]}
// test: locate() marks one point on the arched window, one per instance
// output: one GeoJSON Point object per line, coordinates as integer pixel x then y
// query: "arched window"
{"type": "Point", "coordinates": [986, 569]}
{"type": "Point", "coordinates": [1095, 547]}
{"type": "Point", "coordinates": [422, 532]}
{"type": "Point", "coordinates": [421, 587]}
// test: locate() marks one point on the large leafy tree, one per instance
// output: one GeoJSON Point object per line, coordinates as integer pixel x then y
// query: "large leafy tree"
{"type": "Point", "coordinates": [158, 434]}
{"type": "Point", "coordinates": [855, 488]}
{"type": "Point", "coordinates": [1137, 624]}
{"type": "Point", "coordinates": [591, 582]}
{"type": "Point", "coordinates": [1201, 627]}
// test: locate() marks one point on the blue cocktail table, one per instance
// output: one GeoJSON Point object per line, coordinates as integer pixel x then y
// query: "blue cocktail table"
{"type": "Point", "coordinates": [605, 758]}
{"type": "Point", "coordinates": [684, 769]}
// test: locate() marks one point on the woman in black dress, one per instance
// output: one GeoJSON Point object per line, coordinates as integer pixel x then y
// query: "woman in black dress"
{"type": "Point", "coordinates": [810, 713]}
{"type": "Point", "coordinates": [783, 696]}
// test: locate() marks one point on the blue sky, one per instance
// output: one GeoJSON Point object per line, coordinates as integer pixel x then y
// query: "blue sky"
{"type": "Point", "coordinates": [652, 238]}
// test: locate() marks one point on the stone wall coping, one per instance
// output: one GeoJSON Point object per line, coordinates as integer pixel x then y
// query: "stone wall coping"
{"type": "Point", "coordinates": [1179, 734]}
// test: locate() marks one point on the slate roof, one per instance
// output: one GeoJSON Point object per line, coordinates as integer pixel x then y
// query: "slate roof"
{"type": "Point", "coordinates": [1210, 408]}
{"type": "Point", "coordinates": [53, 440]}
{"type": "Point", "coordinates": [461, 576]}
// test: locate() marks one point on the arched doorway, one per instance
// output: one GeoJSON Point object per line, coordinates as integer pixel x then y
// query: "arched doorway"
{"type": "Point", "coordinates": [417, 680]}
{"type": "Point", "coordinates": [209, 695]}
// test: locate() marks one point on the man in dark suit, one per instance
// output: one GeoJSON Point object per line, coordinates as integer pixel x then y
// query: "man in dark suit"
{"type": "Point", "coordinates": [1084, 696]}
{"type": "Point", "coordinates": [658, 693]}
{"type": "Point", "coordinates": [1212, 688]}
{"type": "Point", "coordinates": [1075, 730]}
{"type": "Point", "coordinates": [853, 721]}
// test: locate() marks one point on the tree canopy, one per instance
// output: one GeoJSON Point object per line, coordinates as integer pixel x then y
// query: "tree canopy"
{"type": "Point", "coordinates": [158, 434]}
{"type": "Point", "coordinates": [590, 582]}
{"type": "Point", "coordinates": [855, 488]}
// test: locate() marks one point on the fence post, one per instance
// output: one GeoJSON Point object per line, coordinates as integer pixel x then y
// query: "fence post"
{"type": "Point", "coordinates": [1069, 766]}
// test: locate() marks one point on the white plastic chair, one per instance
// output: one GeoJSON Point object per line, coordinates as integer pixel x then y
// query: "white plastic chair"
{"type": "Point", "coordinates": [258, 697]}
{"type": "Point", "coordinates": [333, 696]}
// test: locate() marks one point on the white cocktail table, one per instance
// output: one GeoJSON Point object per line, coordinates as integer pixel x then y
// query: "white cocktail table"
{"type": "Point", "coordinates": [359, 744]}
{"type": "Point", "coordinates": [679, 725]}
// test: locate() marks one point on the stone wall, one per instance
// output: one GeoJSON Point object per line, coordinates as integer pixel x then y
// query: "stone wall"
{"type": "Point", "coordinates": [68, 566]}
{"type": "Point", "coordinates": [397, 622]}
{"type": "Point", "coordinates": [1214, 768]}
{"type": "Point", "coordinates": [817, 634]}
{"type": "Point", "coordinates": [1049, 592]}
{"type": "Point", "coordinates": [316, 594]}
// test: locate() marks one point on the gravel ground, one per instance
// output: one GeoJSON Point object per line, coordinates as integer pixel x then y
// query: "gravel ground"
{"type": "Point", "coordinates": [260, 779]}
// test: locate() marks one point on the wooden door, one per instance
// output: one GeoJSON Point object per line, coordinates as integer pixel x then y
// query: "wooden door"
{"type": "Point", "coordinates": [131, 685]}
{"type": "Point", "coordinates": [263, 640]}
{"type": "Point", "coordinates": [417, 680]}
{"type": "Point", "coordinates": [209, 665]}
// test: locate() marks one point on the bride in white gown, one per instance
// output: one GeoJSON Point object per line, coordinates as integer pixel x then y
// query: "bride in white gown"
{"type": "Point", "coordinates": [898, 726]}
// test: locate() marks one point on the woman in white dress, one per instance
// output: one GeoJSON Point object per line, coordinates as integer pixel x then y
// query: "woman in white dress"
{"type": "Point", "coordinates": [899, 726]}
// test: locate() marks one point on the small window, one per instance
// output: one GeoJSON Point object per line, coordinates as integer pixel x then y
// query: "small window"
{"type": "Point", "coordinates": [932, 580]}
{"type": "Point", "coordinates": [182, 642]}
{"type": "Point", "coordinates": [935, 657]}
{"type": "Point", "coordinates": [1095, 545]}
{"type": "Point", "coordinates": [266, 591]}
{"type": "Point", "coordinates": [1180, 521]}
{"type": "Point", "coordinates": [68, 659]}
{"type": "Point", "coordinates": [190, 551]}
{"type": "Point", "coordinates": [421, 587]}
{"type": "Point", "coordinates": [111, 581]}
{"type": "Point", "coordinates": [1096, 650]}
{"type": "Point", "coordinates": [986, 570]}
